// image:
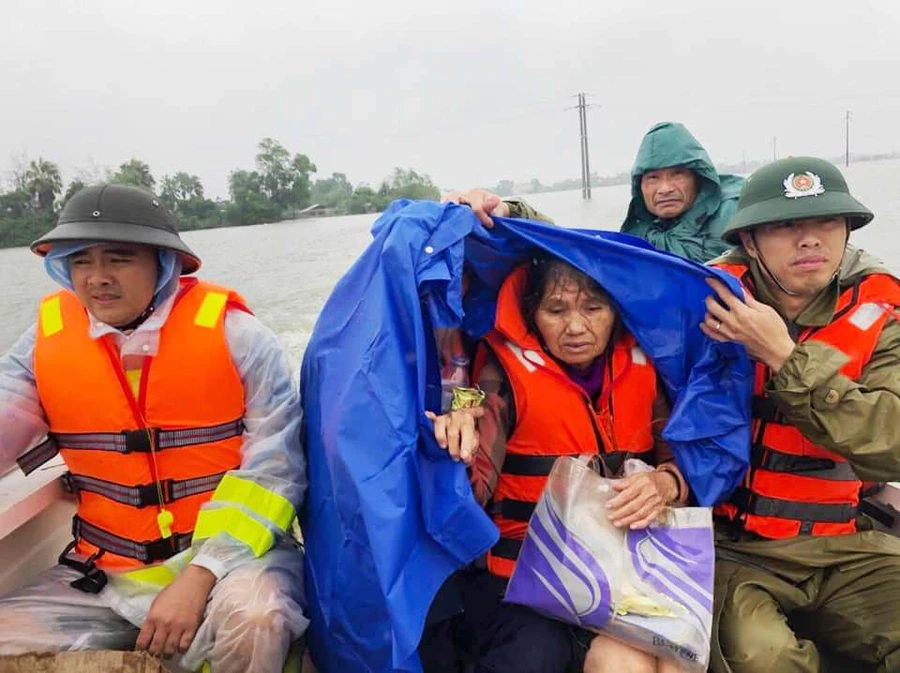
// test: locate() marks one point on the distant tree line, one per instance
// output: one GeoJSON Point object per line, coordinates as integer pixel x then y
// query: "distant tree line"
{"type": "Point", "coordinates": [279, 188]}
{"type": "Point", "coordinates": [535, 186]}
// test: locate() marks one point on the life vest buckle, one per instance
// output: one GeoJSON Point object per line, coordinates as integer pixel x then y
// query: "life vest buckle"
{"type": "Point", "coordinates": [68, 484]}
{"type": "Point", "coordinates": [92, 583]}
{"type": "Point", "coordinates": [743, 499]}
{"type": "Point", "coordinates": [149, 494]}
{"type": "Point", "coordinates": [160, 550]}
{"type": "Point", "coordinates": [142, 440]}
{"type": "Point", "coordinates": [93, 579]}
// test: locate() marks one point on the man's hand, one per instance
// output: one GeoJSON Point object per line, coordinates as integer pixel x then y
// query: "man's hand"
{"type": "Point", "coordinates": [641, 497]}
{"type": "Point", "coordinates": [482, 202]}
{"type": "Point", "coordinates": [457, 432]}
{"type": "Point", "coordinates": [176, 613]}
{"type": "Point", "coordinates": [757, 326]}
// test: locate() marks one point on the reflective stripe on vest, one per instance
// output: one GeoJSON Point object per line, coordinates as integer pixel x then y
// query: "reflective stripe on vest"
{"type": "Point", "coordinates": [795, 487]}
{"type": "Point", "coordinates": [555, 417]}
{"type": "Point", "coordinates": [143, 495]}
{"type": "Point", "coordinates": [35, 457]}
{"type": "Point", "coordinates": [127, 441]}
{"type": "Point", "coordinates": [145, 551]}
{"type": "Point", "coordinates": [180, 433]}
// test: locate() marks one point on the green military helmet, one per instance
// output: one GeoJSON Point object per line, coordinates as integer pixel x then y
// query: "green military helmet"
{"type": "Point", "coordinates": [792, 189]}
{"type": "Point", "coordinates": [117, 214]}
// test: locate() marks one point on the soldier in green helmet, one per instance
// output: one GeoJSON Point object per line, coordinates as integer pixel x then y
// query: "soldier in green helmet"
{"type": "Point", "coordinates": [803, 581]}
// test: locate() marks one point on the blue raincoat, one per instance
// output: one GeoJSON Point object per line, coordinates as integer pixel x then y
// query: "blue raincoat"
{"type": "Point", "coordinates": [389, 516]}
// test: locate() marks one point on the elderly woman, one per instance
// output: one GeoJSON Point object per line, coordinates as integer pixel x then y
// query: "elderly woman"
{"type": "Point", "coordinates": [562, 377]}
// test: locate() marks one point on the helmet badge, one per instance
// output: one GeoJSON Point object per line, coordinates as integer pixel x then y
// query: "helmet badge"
{"type": "Point", "coordinates": [803, 184]}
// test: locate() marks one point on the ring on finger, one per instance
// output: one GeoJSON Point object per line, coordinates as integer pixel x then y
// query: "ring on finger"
{"type": "Point", "coordinates": [718, 325]}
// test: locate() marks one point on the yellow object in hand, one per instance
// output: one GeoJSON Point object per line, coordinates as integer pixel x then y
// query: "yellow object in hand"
{"type": "Point", "coordinates": [467, 398]}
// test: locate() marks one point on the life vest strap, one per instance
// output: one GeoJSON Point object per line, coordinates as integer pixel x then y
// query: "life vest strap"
{"type": "Point", "coordinates": [804, 512]}
{"type": "Point", "coordinates": [127, 441]}
{"type": "Point", "coordinates": [513, 510]}
{"type": "Point", "coordinates": [763, 408]}
{"type": "Point", "coordinates": [143, 495]}
{"type": "Point", "coordinates": [507, 548]}
{"type": "Point", "coordinates": [38, 455]}
{"type": "Point", "coordinates": [151, 551]}
{"type": "Point", "coordinates": [169, 439]}
{"type": "Point", "coordinates": [807, 466]}
{"type": "Point", "coordinates": [525, 465]}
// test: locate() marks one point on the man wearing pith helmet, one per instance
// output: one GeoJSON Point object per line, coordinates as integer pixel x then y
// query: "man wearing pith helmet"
{"type": "Point", "coordinates": [174, 410]}
{"type": "Point", "coordinates": [802, 580]}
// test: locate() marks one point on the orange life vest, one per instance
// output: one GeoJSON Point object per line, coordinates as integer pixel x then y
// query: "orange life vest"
{"type": "Point", "coordinates": [795, 487]}
{"type": "Point", "coordinates": [555, 417]}
{"type": "Point", "coordinates": [131, 456]}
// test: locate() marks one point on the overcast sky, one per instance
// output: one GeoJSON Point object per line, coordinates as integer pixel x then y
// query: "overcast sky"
{"type": "Point", "coordinates": [468, 92]}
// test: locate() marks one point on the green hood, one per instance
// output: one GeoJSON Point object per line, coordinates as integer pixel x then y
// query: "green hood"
{"type": "Point", "coordinates": [695, 234]}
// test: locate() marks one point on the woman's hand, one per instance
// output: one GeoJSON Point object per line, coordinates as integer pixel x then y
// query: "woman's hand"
{"type": "Point", "coordinates": [457, 431]}
{"type": "Point", "coordinates": [641, 497]}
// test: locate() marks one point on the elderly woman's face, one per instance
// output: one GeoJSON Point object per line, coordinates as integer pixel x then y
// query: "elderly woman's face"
{"type": "Point", "coordinates": [574, 324]}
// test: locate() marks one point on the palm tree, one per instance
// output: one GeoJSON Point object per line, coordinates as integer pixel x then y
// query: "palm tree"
{"type": "Point", "coordinates": [136, 173]}
{"type": "Point", "coordinates": [43, 182]}
{"type": "Point", "coordinates": [74, 186]}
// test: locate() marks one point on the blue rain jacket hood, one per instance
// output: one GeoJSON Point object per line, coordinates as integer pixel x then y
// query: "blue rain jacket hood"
{"type": "Point", "coordinates": [695, 234]}
{"type": "Point", "coordinates": [389, 516]}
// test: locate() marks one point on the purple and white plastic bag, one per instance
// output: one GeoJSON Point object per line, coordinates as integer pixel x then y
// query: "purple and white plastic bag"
{"type": "Point", "coordinates": [651, 588]}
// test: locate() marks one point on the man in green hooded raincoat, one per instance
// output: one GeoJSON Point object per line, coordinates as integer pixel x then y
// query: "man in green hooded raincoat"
{"type": "Point", "coordinates": [679, 203]}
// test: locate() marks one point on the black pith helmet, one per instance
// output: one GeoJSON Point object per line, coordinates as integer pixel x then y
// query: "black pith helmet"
{"type": "Point", "coordinates": [117, 213]}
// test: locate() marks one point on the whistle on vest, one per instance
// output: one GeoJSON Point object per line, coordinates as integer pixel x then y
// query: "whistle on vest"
{"type": "Point", "coordinates": [164, 521]}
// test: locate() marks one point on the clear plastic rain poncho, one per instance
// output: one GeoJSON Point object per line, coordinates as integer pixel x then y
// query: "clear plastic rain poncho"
{"type": "Point", "coordinates": [257, 606]}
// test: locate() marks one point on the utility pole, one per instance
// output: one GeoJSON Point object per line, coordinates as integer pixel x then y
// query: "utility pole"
{"type": "Point", "coordinates": [584, 144]}
{"type": "Point", "coordinates": [774, 148]}
{"type": "Point", "coordinates": [583, 133]}
{"type": "Point", "coordinates": [847, 138]}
